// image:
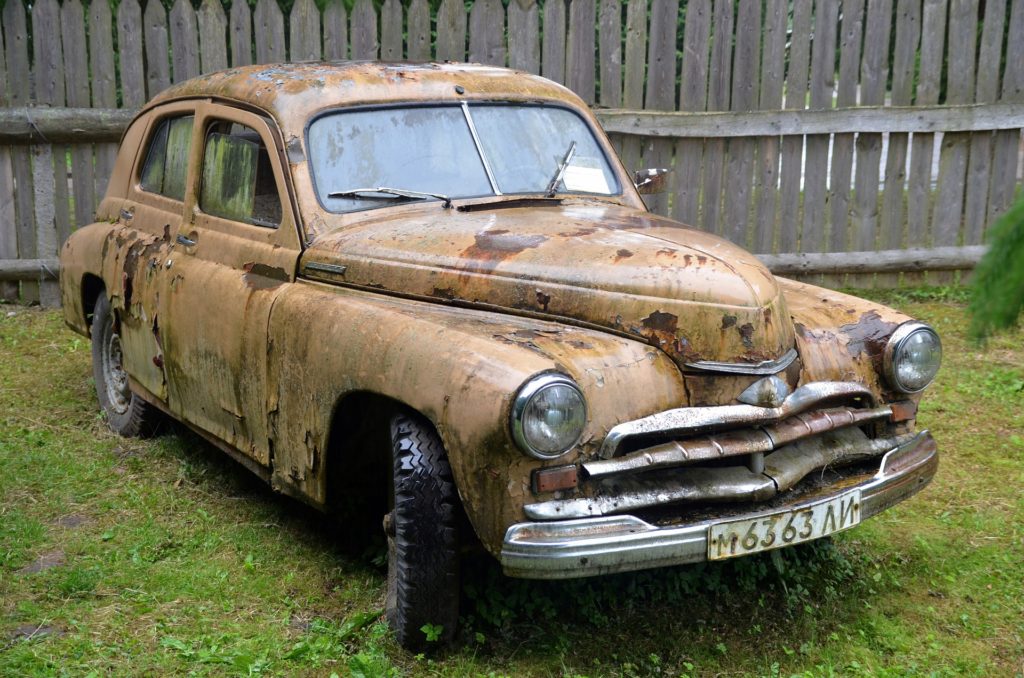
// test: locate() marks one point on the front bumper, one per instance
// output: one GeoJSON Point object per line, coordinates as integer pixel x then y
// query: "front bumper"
{"type": "Point", "coordinates": [586, 547]}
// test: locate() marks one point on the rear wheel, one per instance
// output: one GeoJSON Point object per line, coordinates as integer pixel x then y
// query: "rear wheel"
{"type": "Point", "coordinates": [126, 413]}
{"type": "Point", "coordinates": [423, 563]}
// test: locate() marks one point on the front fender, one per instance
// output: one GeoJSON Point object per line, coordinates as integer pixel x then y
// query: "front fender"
{"type": "Point", "coordinates": [458, 367]}
{"type": "Point", "coordinates": [840, 337]}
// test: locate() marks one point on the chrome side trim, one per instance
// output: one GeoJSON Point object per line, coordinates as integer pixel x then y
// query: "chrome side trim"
{"type": "Point", "coordinates": [685, 420]}
{"type": "Point", "coordinates": [764, 367]}
{"type": "Point", "coordinates": [569, 549]}
{"type": "Point", "coordinates": [335, 269]}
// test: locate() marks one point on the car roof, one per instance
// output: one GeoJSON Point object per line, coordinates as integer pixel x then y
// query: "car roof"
{"type": "Point", "coordinates": [293, 92]}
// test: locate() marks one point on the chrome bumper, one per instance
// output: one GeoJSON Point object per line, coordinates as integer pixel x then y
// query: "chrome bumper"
{"type": "Point", "coordinates": [586, 547]}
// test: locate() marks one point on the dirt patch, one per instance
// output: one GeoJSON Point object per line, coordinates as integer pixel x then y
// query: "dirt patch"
{"type": "Point", "coordinates": [72, 520]}
{"type": "Point", "coordinates": [46, 561]}
{"type": "Point", "coordinates": [33, 632]}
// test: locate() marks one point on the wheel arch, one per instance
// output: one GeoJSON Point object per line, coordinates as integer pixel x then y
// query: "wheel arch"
{"type": "Point", "coordinates": [91, 288]}
{"type": "Point", "coordinates": [357, 460]}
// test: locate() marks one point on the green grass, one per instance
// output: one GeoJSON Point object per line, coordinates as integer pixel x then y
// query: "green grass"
{"type": "Point", "coordinates": [164, 557]}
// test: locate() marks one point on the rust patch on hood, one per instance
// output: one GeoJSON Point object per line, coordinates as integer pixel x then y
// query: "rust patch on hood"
{"type": "Point", "coordinates": [868, 336]}
{"type": "Point", "coordinates": [490, 248]}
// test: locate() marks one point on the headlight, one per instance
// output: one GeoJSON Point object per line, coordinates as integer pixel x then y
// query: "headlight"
{"type": "Point", "coordinates": [912, 357]}
{"type": "Point", "coordinates": [548, 416]}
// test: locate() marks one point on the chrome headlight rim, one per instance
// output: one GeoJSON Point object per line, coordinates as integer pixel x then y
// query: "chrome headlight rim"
{"type": "Point", "coordinates": [527, 392]}
{"type": "Point", "coordinates": [897, 340]}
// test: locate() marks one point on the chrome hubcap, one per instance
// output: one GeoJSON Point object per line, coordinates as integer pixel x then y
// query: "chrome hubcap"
{"type": "Point", "coordinates": [117, 379]}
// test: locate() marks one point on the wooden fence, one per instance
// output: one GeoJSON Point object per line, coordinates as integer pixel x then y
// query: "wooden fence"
{"type": "Point", "coordinates": [809, 128]}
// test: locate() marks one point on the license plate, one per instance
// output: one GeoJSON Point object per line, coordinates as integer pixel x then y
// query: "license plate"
{"type": "Point", "coordinates": [740, 537]}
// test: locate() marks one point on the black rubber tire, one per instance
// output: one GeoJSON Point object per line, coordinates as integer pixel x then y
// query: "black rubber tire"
{"type": "Point", "coordinates": [127, 414]}
{"type": "Point", "coordinates": [422, 532]}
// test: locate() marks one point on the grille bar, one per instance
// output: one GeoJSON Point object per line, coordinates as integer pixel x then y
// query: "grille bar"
{"type": "Point", "coordinates": [735, 443]}
{"type": "Point", "coordinates": [692, 420]}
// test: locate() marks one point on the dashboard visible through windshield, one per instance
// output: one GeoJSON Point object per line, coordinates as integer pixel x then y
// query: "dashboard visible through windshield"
{"type": "Point", "coordinates": [369, 158]}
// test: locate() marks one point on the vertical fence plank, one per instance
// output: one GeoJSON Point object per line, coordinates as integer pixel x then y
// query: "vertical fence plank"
{"type": "Point", "coordinates": [335, 30]}
{"type": "Point", "coordinates": [791, 174]}
{"type": "Point", "coordinates": [391, 30]}
{"type": "Point", "coordinates": [104, 86]}
{"type": "Point", "coordinates": [919, 182]}
{"type": "Point", "coordinates": [770, 97]}
{"type": "Point", "coordinates": [49, 163]}
{"type": "Point", "coordinates": [304, 32]}
{"type": "Point", "coordinates": [823, 54]}
{"type": "Point", "coordinates": [553, 50]}
{"type": "Point", "coordinates": [980, 156]}
{"type": "Point", "coordinates": [184, 41]}
{"type": "Point", "coordinates": [720, 77]}
{"type": "Point", "coordinates": [610, 32]}
{"type": "Point", "coordinates": [745, 88]}
{"type": "Point", "coordinates": [158, 70]}
{"type": "Point", "coordinates": [241, 33]}
{"type": "Point", "coordinates": [418, 33]}
{"type": "Point", "coordinates": [661, 85]}
{"type": "Point", "coordinates": [487, 32]}
{"type": "Point", "coordinates": [693, 96]}
{"type": "Point", "coordinates": [949, 200]}
{"type": "Point", "coordinates": [268, 29]}
{"type": "Point", "coordinates": [633, 81]}
{"type": "Point", "coordinates": [129, 51]}
{"type": "Point", "coordinates": [851, 36]}
{"type": "Point", "coordinates": [451, 31]}
{"type": "Point", "coordinates": [1007, 143]}
{"type": "Point", "coordinates": [19, 83]}
{"type": "Point", "coordinates": [8, 216]}
{"type": "Point", "coordinates": [524, 35]}
{"type": "Point", "coordinates": [579, 53]}
{"type": "Point", "coordinates": [874, 70]}
{"type": "Point", "coordinates": [364, 30]}
{"type": "Point", "coordinates": [213, 41]}
{"type": "Point", "coordinates": [76, 72]}
{"type": "Point", "coordinates": [908, 33]}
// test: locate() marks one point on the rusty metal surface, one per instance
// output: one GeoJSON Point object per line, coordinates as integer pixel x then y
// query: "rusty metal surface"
{"type": "Point", "coordinates": [782, 470]}
{"type": "Point", "coordinates": [688, 420]}
{"type": "Point", "coordinates": [258, 337]}
{"type": "Point", "coordinates": [735, 443]}
{"type": "Point", "coordinates": [592, 546]}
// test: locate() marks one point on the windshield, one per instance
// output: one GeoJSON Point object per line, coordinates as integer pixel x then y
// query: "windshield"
{"type": "Point", "coordinates": [429, 153]}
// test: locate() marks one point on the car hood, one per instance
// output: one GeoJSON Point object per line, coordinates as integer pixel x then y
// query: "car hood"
{"type": "Point", "coordinates": [692, 294]}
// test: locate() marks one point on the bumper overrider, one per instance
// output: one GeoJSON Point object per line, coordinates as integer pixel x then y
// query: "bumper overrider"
{"type": "Point", "coordinates": [563, 549]}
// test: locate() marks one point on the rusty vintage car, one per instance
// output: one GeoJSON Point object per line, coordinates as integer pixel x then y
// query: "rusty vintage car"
{"type": "Point", "coordinates": [438, 284]}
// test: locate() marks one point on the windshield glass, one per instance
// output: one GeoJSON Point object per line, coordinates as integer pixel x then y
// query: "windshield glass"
{"type": "Point", "coordinates": [428, 152]}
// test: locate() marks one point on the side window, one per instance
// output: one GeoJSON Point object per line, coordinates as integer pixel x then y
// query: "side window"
{"type": "Point", "coordinates": [238, 179]}
{"type": "Point", "coordinates": [167, 158]}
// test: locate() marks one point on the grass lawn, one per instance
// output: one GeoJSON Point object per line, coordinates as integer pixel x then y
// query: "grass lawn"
{"type": "Point", "coordinates": [163, 557]}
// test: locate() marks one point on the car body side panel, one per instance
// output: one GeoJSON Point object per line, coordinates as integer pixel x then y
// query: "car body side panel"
{"type": "Point", "coordinates": [460, 368]}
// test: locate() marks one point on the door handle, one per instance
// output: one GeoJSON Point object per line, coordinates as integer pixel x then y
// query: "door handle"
{"type": "Point", "coordinates": [187, 242]}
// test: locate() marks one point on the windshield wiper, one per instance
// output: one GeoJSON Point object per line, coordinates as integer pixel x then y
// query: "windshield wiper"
{"type": "Point", "coordinates": [557, 179]}
{"type": "Point", "coordinates": [396, 193]}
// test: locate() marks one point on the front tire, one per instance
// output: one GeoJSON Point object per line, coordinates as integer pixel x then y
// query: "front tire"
{"type": "Point", "coordinates": [423, 562]}
{"type": "Point", "coordinates": [127, 414]}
